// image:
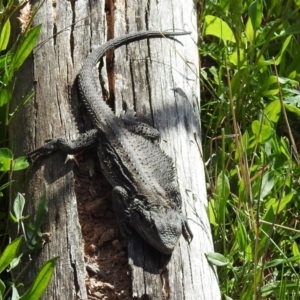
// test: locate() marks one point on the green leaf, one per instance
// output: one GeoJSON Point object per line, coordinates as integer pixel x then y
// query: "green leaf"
{"type": "Point", "coordinates": [20, 163]}
{"type": "Point", "coordinates": [269, 288]}
{"type": "Point", "coordinates": [293, 100]}
{"type": "Point", "coordinates": [293, 29]}
{"type": "Point", "coordinates": [33, 232]}
{"type": "Point", "coordinates": [41, 281]}
{"type": "Point", "coordinates": [18, 207]}
{"type": "Point", "coordinates": [224, 5]}
{"type": "Point", "coordinates": [274, 262]}
{"type": "Point", "coordinates": [9, 253]}
{"type": "Point", "coordinates": [294, 258]}
{"type": "Point", "coordinates": [255, 14]}
{"type": "Point", "coordinates": [243, 193]}
{"type": "Point", "coordinates": [272, 92]}
{"type": "Point", "coordinates": [238, 59]}
{"type": "Point", "coordinates": [241, 236]}
{"type": "Point", "coordinates": [245, 140]}
{"type": "Point", "coordinates": [273, 110]}
{"type": "Point", "coordinates": [266, 230]}
{"type": "Point", "coordinates": [282, 50]}
{"type": "Point", "coordinates": [15, 262]}
{"type": "Point", "coordinates": [292, 109]}
{"type": "Point", "coordinates": [4, 35]}
{"type": "Point", "coordinates": [15, 293]}
{"type": "Point", "coordinates": [2, 288]}
{"type": "Point", "coordinates": [254, 20]}
{"type": "Point", "coordinates": [295, 251]}
{"type": "Point", "coordinates": [5, 159]}
{"type": "Point", "coordinates": [26, 47]}
{"type": "Point", "coordinates": [216, 259]}
{"type": "Point", "coordinates": [222, 192]}
{"type": "Point", "coordinates": [222, 186]}
{"type": "Point", "coordinates": [249, 252]}
{"type": "Point", "coordinates": [5, 95]}
{"type": "Point", "coordinates": [5, 59]}
{"type": "Point", "coordinates": [284, 148]}
{"type": "Point", "coordinates": [237, 77]}
{"type": "Point", "coordinates": [269, 81]}
{"type": "Point", "coordinates": [262, 132]}
{"type": "Point", "coordinates": [266, 185]}
{"type": "Point", "coordinates": [217, 27]}
{"type": "Point", "coordinates": [249, 32]}
{"type": "Point", "coordinates": [211, 212]}
{"type": "Point", "coordinates": [4, 186]}
{"type": "Point", "coordinates": [282, 203]}
{"type": "Point", "coordinates": [13, 217]}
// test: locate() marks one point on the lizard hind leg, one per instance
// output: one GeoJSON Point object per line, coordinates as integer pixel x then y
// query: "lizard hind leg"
{"type": "Point", "coordinates": [119, 199]}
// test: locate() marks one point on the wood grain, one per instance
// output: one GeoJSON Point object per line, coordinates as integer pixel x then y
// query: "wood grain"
{"type": "Point", "coordinates": [160, 79]}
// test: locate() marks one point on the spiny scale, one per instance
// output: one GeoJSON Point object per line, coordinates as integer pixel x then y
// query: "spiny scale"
{"type": "Point", "coordinates": [145, 191]}
{"type": "Point", "coordinates": [136, 148]}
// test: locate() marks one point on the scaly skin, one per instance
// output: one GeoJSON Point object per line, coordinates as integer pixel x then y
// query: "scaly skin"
{"type": "Point", "coordinates": [145, 195]}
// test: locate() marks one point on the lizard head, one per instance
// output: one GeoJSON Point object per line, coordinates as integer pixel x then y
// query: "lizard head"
{"type": "Point", "coordinates": [161, 228]}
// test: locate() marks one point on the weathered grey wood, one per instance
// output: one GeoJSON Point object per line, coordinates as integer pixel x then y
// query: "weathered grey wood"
{"type": "Point", "coordinates": [51, 73]}
{"type": "Point", "coordinates": [164, 88]}
{"type": "Point", "coordinates": [160, 78]}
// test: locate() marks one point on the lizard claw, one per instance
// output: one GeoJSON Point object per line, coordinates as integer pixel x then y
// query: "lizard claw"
{"type": "Point", "coordinates": [49, 148]}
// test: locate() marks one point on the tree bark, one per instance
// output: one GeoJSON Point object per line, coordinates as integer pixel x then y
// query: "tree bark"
{"type": "Point", "coordinates": [159, 78]}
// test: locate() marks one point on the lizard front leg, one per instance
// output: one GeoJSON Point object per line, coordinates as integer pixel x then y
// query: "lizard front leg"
{"type": "Point", "coordinates": [137, 127]}
{"type": "Point", "coordinates": [84, 141]}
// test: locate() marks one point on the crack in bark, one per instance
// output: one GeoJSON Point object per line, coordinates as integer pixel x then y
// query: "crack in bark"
{"type": "Point", "coordinates": [72, 29]}
{"type": "Point", "coordinates": [164, 276]}
{"type": "Point", "coordinates": [147, 14]}
{"type": "Point", "coordinates": [109, 9]}
{"type": "Point", "coordinates": [73, 266]}
{"type": "Point", "coordinates": [54, 33]}
{"type": "Point", "coordinates": [126, 16]}
{"type": "Point", "coordinates": [132, 83]}
{"type": "Point", "coordinates": [148, 82]}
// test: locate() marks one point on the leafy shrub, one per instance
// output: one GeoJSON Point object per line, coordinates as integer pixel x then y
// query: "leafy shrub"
{"type": "Point", "coordinates": [12, 256]}
{"type": "Point", "coordinates": [12, 56]}
{"type": "Point", "coordinates": [250, 74]}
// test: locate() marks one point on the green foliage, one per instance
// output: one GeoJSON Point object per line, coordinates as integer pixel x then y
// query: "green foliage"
{"type": "Point", "coordinates": [12, 56]}
{"type": "Point", "coordinates": [41, 281]}
{"type": "Point", "coordinates": [11, 256]}
{"type": "Point", "coordinates": [9, 253]}
{"type": "Point", "coordinates": [250, 72]}
{"type": "Point", "coordinates": [7, 161]}
{"type": "Point", "coordinates": [11, 59]}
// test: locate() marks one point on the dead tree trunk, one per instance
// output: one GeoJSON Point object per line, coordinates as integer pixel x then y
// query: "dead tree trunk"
{"type": "Point", "coordinates": [159, 78]}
